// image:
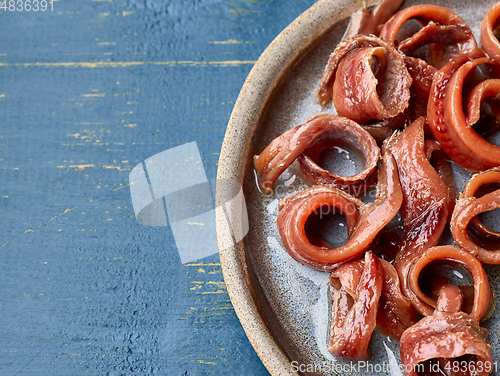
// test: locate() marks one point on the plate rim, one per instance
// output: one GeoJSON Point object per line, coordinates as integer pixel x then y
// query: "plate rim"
{"type": "Point", "coordinates": [277, 59]}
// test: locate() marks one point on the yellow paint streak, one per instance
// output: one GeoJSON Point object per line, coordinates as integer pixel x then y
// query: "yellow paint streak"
{"type": "Point", "coordinates": [215, 314]}
{"type": "Point", "coordinates": [127, 13]}
{"type": "Point", "coordinates": [204, 362]}
{"type": "Point", "coordinates": [94, 95]}
{"type": "Point", "coordinates": [78, 167]}
{"type": "Point", "coordinates": [218, 308]}
{"type": "Point", "coordinates": [115, 167]}
{"type": "Point", "coordinates": [64, 212]}
{"type": "Point", "coordinates": [24, 232]}
{"type": "Point", "coordinates": [204, 264]}
{"type": "Point", "coordinates": [130, 125]}
{"type": "Point", "coordinates": [125, 64]}
{"type": "Point", "coordinates": [2, 95]}
{"type": "Point", "coordinates": [123, 186]}
{"type": "Point", "coordinates": [106, 43]}
{"type": "Point", "coordinates": [229, 41]}
{"type": "Point", "coordinates": [214, 292]}
{"type": "Point", "coordinates": [81, 167]}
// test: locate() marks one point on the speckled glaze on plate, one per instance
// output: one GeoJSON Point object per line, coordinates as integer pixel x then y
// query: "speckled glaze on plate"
{"type": "Point", "coordinates": [282, 305]}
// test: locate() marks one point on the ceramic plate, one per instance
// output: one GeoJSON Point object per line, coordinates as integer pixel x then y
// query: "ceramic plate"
{"type": "Point", "coordinates": [283, 305]}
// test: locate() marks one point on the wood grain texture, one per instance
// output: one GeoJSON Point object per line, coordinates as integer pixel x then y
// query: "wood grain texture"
{"type": "Point", "coordinates": [88, 91]}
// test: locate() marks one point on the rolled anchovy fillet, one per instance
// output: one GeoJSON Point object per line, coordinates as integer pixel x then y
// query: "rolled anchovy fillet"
{"type": "Point", "coordinates": [364, 221]}
{"type": "Point", "coordinates": [367, 79]}
{"type": "Point", "coordinates": [443, 35]}
{"type": "Point", "coordinates": [482, 293]}
{"type": "Point", "coordinates": [446, 344]}
{"type": "Point", "coordinates": [468, 231]}
{"type": "Point", "coordinates": [489, 41]}
{"type": "Point", "coordinates": [285, 149]}
{"type": "Point", "coordinates": [354, 309]}
{"type": "Point", "coordinates": [450, 125]}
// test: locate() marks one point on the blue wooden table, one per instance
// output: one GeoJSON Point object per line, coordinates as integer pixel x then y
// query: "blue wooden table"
{"type": "Point", "coordinates": [88, 90]}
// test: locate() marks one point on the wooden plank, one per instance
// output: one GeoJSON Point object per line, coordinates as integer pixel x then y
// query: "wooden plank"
{"type": "Point", "coordinates": [88, 91]}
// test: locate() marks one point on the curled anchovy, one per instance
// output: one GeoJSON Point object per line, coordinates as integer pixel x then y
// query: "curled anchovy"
{"type": "Point", "coordinates": [395, 313]}
{"type": "Point", "coordinates": [367, 79]}
{"type": "Point", "coordinates": [370, 21]}
{"type": "Point", "coordinates": [482, 292]}
{"type": "Point", "coordinates": [426, 201]}
{"type": "Point", "coordinates": [285, 149]}
{"type": "Point", "coordinates": [354, 308]}
{"type": "Point", "coordinates": [446, 35]}
{"type": "Point", "coordinates": [450, 125]}
{"type": "Point", "coordinates": [443, 342]}
{"type": "Point", "coordinates": [489, 41]}
{"type": "Point", "coordinates": [468, 231]}
{"type": "Point", "coordinates": [364, 221]}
